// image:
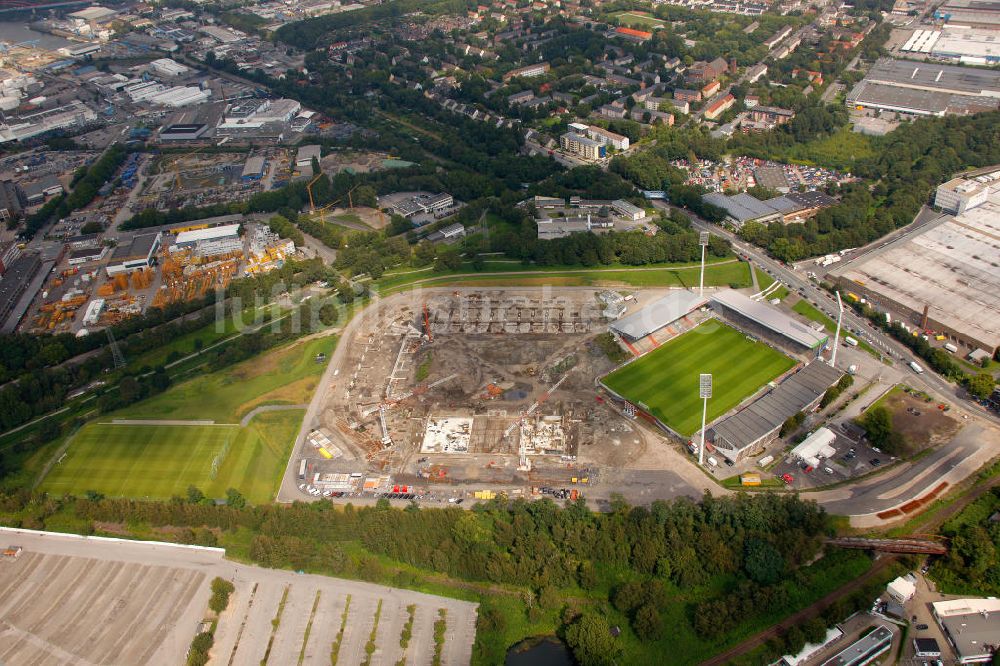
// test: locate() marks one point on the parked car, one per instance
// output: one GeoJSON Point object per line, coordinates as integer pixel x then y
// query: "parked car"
{"type": "Point", "coordinates": [787, 478]}
{"type": "Point", "coordinates": [875, 462]}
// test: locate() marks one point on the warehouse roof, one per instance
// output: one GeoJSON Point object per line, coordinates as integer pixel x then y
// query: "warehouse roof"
{"type": "Point", "coordinates": [306, 153]}
{"type": "Point", "coordinates": [212, 233]}
{"type": "Point", "coordinates": [254, 166]}
{"type": "Point", "coordinates": [658, 314]}
{"type": "Point", "coordinates": [766, 414]}
{"type": "Point", "coordinates": [926, 76]}
{"type": "Point", "coordinates": [973, 625]}
{"type": "Point", "coordinates": [950, 267]}
{"type": "Point", "coordinates": [95, 13]}
{"type": "Point", "coordinates": [741, 207]}
{"type": "Point", "coordinates": [139, 248]}
{"type": "Point", "coordinates": [770, 318]}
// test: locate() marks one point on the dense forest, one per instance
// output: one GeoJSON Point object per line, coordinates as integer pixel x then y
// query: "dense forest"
{"type": "Point", "coordinates": [708, 565]}
{"type": "Point", "coordinates": [972, 565]}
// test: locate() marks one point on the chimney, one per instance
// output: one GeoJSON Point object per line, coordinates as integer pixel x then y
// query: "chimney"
{"type": "Point", "coordinates": [923, 321]}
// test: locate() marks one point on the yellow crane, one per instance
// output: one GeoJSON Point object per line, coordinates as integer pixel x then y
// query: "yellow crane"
{"type": "Point", "coordinates": [309, 189]}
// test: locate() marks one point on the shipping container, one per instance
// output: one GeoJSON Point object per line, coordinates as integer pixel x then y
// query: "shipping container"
{"type": "Point", "coordinates": [765, 461]}
{"type": "Point", "coordinates": [750, 479]}
{"type": "Point", "coordinates": [950, 347]}
{"type": "Point", "coordinates": [326, 454]}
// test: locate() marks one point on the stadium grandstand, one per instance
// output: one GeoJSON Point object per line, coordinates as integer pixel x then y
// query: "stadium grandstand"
{"type": "Point", "coordinates": [750, 429]}
{"type": "Point", "coordinates": [761, 318]}
{"type": "Point", "coordinates": [658, 315]}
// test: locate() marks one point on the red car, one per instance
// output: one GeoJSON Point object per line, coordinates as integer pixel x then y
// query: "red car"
{"type": "Point", "coordinates": [787, 478]}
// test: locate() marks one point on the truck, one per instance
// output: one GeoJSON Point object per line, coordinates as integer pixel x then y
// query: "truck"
{"type": "Point", "coordinates": [850, 342]}
{"type": "Point", "coordinates": [950, 347]}
{"type": "Point", "coordinates": [916, 368]}
{"type": "Point", "coordinates": [302, 470]}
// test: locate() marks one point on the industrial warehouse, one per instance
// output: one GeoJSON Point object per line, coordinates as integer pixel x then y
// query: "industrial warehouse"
{"type": "Point", "coordinates": [925, 89]}
{"type": "Point", "coordinates": [943, 279]}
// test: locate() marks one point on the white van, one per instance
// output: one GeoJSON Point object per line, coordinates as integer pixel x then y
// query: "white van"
{"type": "Point", "coordinates": [850, 342]}
{"type": "Point", "coordinates": [713, 462]}
{"type": "Point", "coordinates": [916, 368]}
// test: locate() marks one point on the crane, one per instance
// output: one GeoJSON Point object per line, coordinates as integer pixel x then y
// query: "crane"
{"type": "Point", "coordinates": [524, 465]}
{"type": "Point", "coordinates": [309, 189]}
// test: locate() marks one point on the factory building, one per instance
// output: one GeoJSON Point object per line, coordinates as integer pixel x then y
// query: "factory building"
{"type": "Point", "coordinates": [970, 13]}
{"type": "Point", "coordinates": [168, 67]}
{"type": "Point", "coordinates": [253, 169]}
{"type": "Point", "coordinates": [972, 626]}
{"type": "Point", "coordinates": [137, 255]}
{"type": "Point", "coordinates": [20, 283]}
{"type": "Point", "coordinates": [187, 239]}
{"type": "Point", "coordinates": [942, 279]}
{"type": "Point", "coordinates": [183, 132]}
{"type": "Point", "coordinates": [968, 190]}
{"type": "Point", "coordinates": [305, 155]}
{"type": "Point", "coordinates": [918, 88]}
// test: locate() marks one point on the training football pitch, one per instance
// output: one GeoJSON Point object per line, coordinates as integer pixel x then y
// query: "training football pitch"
{"type": "Point", "coordinates": [664, 382]}
{"type": "Point", "coordinates": [160, 461]}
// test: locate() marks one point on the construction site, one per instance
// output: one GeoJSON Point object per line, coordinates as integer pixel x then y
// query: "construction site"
{"type": "Point", "coordinates": [468, 388]}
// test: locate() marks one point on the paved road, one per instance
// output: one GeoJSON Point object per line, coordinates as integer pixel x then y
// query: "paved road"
{"type": "Point", "coordinates": [972, 448]}
{"type": "Point", "coordinates": [245, 421]}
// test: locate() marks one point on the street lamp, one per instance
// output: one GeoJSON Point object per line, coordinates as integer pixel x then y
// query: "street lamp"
{"type": "Point", "coordinates": [836, 336]}
{"type": "Point", "coordinates": [704, 392]}
{"type": "Point", "coordinates": [703, 241]}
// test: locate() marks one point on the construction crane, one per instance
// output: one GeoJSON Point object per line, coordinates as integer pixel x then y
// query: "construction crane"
{"type": "Point", "coordinates": [524, 465]}
{"type": "Point", "coordinates": [309, 189]}
{"type": "Point", "coordinates": [427, 323]}
{"type": "Point", "coordinates": [386, 405]}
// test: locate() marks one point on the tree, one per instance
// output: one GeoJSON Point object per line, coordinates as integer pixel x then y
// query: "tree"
{"type": "Point", "coordinates": [235, 499]}
{"type": "Point", "coordinates": [648, 625]}
{"type": "Point", "coordinates": [877, 422]}
{"type": "Point", "coordinates": [328, 314]}
{"type": "Point", "coordinates": [981, 385]}
{"type": "Point", "coordinates": [591, 641]}
{"type": "Point", "coordinates": [194, 495]}
{"type": "Point", "coordinates": [763, 563]}
{"type": "Point", "coordinates": [316, 170]}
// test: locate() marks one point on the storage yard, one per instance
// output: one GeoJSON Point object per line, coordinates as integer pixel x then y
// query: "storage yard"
{"type": "Point", "coordinates": [69, 599]}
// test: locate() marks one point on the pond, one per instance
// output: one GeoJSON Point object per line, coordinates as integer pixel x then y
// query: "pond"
{"type": "Point", "coordinates": [539, 651]}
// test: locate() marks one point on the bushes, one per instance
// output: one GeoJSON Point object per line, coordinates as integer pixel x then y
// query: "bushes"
{"type": "Point", "coordinates": [200, 646]}
{"type": "Point", "coordinates": [221, 589]}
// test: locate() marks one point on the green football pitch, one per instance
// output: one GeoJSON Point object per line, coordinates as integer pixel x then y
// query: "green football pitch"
{"type": "Point", "coordinates": [664, 382]}
{"type": "Point", "coordinates": [160, 461]}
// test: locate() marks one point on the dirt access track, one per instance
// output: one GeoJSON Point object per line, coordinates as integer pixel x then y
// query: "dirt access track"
{"type": "Point", "coordinates": [86, 600]}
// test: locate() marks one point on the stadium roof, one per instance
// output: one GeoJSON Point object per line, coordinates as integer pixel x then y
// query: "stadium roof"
{"type": "Point", "coordinates": [658, 314]}
{"type": "Point", "coordinates": [766, 414]}
{"type": "Point", "coordinates": [770, 318]}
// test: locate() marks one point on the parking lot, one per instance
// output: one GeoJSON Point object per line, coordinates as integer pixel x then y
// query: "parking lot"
{"type": "Point", "coordinates": [69, 599]}
{"type": "Point", "coordinates": [854, 458]}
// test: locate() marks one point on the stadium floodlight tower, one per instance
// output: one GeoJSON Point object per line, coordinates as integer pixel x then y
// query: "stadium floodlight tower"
{"type": "Point", "coordinates": [836, 335]}
{"type": "Point", "coordinates": [703, 241]}
{"type": "Point", "coordinates": [704, 392]}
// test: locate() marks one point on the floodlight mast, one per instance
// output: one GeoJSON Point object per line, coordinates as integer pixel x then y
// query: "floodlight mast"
{"type": "Point", "coordinates": [703, 241]}
{"type": "Point", "coordinates": [836, 336]}
{"type": "Point", "coordinates": [704, 392]}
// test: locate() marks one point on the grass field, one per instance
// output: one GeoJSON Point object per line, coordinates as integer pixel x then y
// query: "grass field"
{"type": "Point", "coordinates": [639, 20]}
{"type": "Point", "coordinates": [807, 310]}
{"type": "Point", "coordinates": [733, 273]}
{"type": "Point", "coordinates": [160, 461]}
{"type": "Point", "coordinates": [666, 379]}
{"type": "Point", "coordinates": [286, 376]}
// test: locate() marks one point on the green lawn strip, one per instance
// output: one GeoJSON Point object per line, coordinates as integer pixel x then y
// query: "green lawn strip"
{"type": "Point", "coordinates": [274, 625]}
{"type": "Point", "coordinates": [440, 627]}
{"type": "Point", "coordinates": [734, 274]}
{"type": "Point", "coordinates": [370, 645]}
{"type": "Point", "coordinates": [764, 280]}
{"type": "Point", "coordinates": [666, 379]}
{"type": "Point", "coordinates": [807, 310]}
{"type": "Point", "coordinates": [407, 632]}
{"type": "Point", "coordinates": [722, 271]}
{"type": "Point", "coordinates": [335, 646]}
